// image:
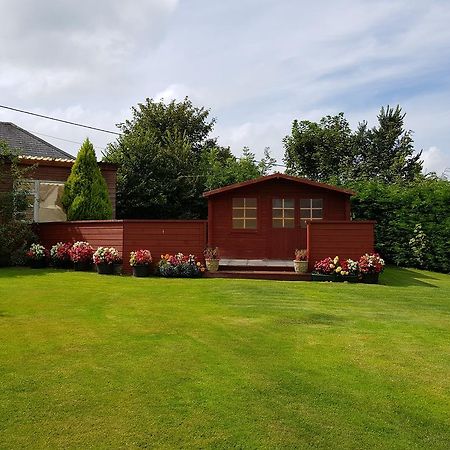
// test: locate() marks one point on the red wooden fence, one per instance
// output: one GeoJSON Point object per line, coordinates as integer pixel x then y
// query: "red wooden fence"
{"type": "Point", "coordinates": [159, 236]}
{"type": "Point", "coordinates": [346, 239]}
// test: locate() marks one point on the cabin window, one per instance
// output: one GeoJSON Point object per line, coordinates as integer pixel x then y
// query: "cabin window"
{"type": "Point", "coordinates": [310, 209]}
{"type": "Point", "coordinates": [45, 201]}
{"type": "Point", "coordinates": [244, 213]}
{"type": "Point", "coordinates": [283, 211]}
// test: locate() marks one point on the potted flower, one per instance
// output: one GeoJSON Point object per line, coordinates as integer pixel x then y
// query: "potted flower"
{"type": "Point", "coordinates": [104, 258]}
{"type": "Point", "coordinates": [301, 261]}
{"type": "Point", "coordinates": [370, 266]}
{"type": "Point", "coordinates": [325, 269]}
{"type": "Point", "coordinates": [179, 265]}
{"type": "Point", "coordinates": [212, 258]}
{"type": "Point", "coordinates": [81, 255]}
{"type": "Point", "coordinates": [140, 261]}
{"type": "Point", "coordinates": [37, 256]}
{"type": "Point", "coordinates": [349, 271]}
{"type": "Point", "coordinates": [60, 255]}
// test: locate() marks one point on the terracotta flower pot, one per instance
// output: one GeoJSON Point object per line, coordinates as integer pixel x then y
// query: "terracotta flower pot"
{"type": "Point", "coordinates": [141, 271]}
{"type": "Point", "coordinates": [300, 266]}
{"type": "Point", "coordinates": [212, 265]}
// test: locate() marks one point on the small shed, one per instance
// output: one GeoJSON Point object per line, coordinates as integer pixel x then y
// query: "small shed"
{"type": "Point", "coordinates": [269, 217]}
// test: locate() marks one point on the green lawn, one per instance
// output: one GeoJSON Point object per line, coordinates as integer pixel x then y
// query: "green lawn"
{"type": "Point", "coordinates": [92, 362]}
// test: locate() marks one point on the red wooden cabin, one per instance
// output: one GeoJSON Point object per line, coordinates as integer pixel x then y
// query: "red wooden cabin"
{"type": "Point", "coordinates": [271, 216]}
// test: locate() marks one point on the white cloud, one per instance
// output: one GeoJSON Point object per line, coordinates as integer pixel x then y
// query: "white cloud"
{"type": "Point", "coordinates": [435, 160]}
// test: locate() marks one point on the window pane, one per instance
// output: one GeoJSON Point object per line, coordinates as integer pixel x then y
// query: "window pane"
{"type": "Point", "coordinates": [305, 213]}
{"type": "Point", "coordinates": [289, 203]}
{"type": "Point", "coordinates": [277, 213]}
{"type": "Point", "coordinates": [317, 203]}
{"type": "Point", "coordinates": [250, 223]}
{"type": "Point", "coordinates": [238, 223]}
{"type": "Point", "coordinates": [277, 223]}
{"type": "Point", "coordinates": [305, 203]}
{"type": "Point", "coordinates": [238, 213]}
{"type": "Point", "coordinates": [250, 212]}
{"type": "Point", "coordinates": [250, 202]}
{"type": "Point", "coordinates": [289, 223]}
{"type": "Point", "coordinates": [317, 213]}
{"type": "Point", "coordinates": [277, 203]}
{"type": "Point", "coordinates": [238, 202]}
{"type": "Point", "coordinates": [289, 213]}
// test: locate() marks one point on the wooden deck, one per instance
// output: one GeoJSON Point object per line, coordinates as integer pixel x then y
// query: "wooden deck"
{"type": "Point", "coordinates": [258, 269]}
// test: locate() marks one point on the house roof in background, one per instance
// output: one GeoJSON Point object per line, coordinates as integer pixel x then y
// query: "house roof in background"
{"type": "Point", "coordinates": [277, 176]}
{"type": "Point", "coordinates": [29, 144]}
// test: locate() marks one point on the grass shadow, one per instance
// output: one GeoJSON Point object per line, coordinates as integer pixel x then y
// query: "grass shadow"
{"type": "Point", "coordinates": [19, 271]}
{"type": "Point", "coordinates": [406, 278]}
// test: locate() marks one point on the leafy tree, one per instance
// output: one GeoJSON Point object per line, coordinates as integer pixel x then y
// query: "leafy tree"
{"type": "Point", "coordinates": [85, 194]}
{"type": "Point", "coordinates": [167, 159]}
{"type": "Point", "coordinates": [15, 230]}
{"type": "Point", "coordinates": [319, 151]}
{"type": "Point", "coordinates": [330, 151]}
{"type": "Point", "coordinates": [220, 172]}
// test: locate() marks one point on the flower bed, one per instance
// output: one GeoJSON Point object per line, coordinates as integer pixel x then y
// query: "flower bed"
{"type": "Point", "coordinates": [105, 258]}
{"type": "Point", "coordinates": [81, 255]}
{"type": "Point", "coordinates": [180, 265]}
{"type": "Point", "coordinates": [140, 261]}
{"type": "Point", "coordinates": [37, 256]}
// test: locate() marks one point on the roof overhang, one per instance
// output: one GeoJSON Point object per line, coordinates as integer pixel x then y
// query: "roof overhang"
{"type": "Point", "coordinates": [278, 176]}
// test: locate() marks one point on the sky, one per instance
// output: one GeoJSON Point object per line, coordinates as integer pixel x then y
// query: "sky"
{"type": "Point", "coordinates": [256, 64]}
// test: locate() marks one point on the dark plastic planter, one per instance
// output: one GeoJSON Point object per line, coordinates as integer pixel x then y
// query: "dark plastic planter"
{"type": "Point", "coordinates": [117, 269]}
{"type": "Point", "coordinates": [322, 277]}
{"type": "Point", "coordinates": [62, 264]}
{"type": "Point", "coordinates": [370, 278]}
{"type": "Point", "coordinates": [82, 266]}
{"type": "Point", "coordinates": [349, 278]}
{"type": "Point", "coordinates": [141, 271]}
{"type": "Point", "coordinates": [105, 269]}
{"type": "Point", "coordinates": [38, 263]}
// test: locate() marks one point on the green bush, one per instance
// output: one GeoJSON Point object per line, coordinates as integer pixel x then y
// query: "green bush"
{"type": "Point", "coordinates": [85, 194]}
{"type": "Point", "coordinates": [413, 220]}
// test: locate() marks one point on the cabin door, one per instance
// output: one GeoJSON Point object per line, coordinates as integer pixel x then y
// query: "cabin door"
{"type": "Point", "coordinates": [283, 236]}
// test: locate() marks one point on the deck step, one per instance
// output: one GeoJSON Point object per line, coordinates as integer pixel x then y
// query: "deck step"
{"type": "Point", "coordinates": [260, 275]}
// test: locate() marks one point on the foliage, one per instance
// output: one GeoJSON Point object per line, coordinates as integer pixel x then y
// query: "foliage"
{"type": "Point", "coordinates": [81, 252]}
{"type": "Point", "coordinates": [140, 258]}
{"type": "Point", "coordinates": [330, 266]}
{"type": "Point", "coordinates": [179, 265]}
{"type": "Point", "coordinates": [413, 220]}
{"type": "Point", "coordinates": [106, 255]}
{"type": "Point", "coordinates": [167, 159]}
{"type": "Point", "coordinates": [37, 252]}
{"type": "Point", "coordinates": [326, 266]}
{"type": "Point", "coordinates": [301, 255]}
{"type": "Point", "coordinates": [221, 171]}
{"type": "Point", "coordinates": [15, 232]}
{"type": "Point", "coordinates": [211, 253]}
{"type": "Point", "coordinates": [330, 151]}
{"type": "Point", "coordinates": [371, 263]}
{"type": "Point", "coordinates": [85, 194]}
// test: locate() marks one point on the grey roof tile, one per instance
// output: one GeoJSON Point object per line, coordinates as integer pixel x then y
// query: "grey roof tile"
{"type": "Point", "coordinates": [28, 144]}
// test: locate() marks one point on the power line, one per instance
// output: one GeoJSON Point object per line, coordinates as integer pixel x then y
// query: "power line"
{"type": "Point", "coordinates": [59, 120]}
{"type": "Point", "coordinates": [65, 140]}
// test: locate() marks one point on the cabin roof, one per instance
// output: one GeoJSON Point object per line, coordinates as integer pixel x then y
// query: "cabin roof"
{"type": "Point", "coordinates": [278, 176]}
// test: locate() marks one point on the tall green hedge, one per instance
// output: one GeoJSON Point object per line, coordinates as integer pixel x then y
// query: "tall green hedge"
{"type": "Point", "coordinates": [85, 194]}
{"type": "Point", "coordinates": [413, 220]}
